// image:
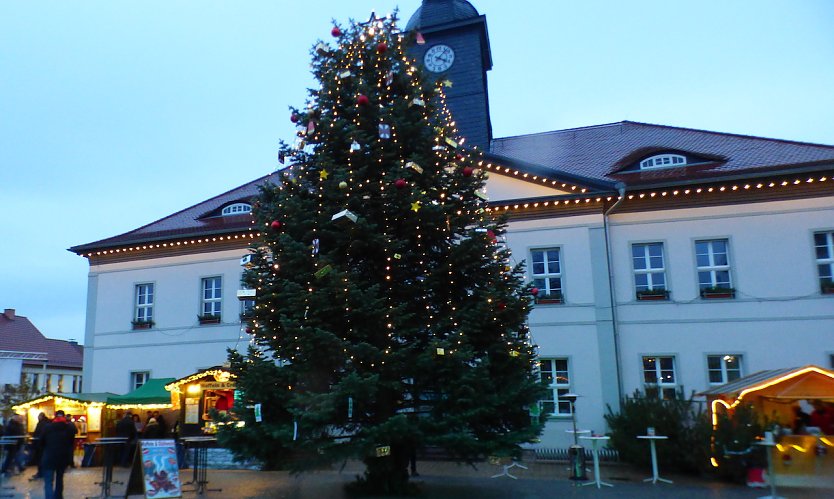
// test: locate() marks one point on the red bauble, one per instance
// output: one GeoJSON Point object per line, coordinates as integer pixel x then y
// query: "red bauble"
{"type": "Point", "coordinates": [381, 47]}
{"type": "Point", "coordinates": [363, 100]}
{"type": "Point", "coordinates": [491, 235]}
{"type": "Point", "coordinates": [276, 225]}
{"type": "Point", "coordinates": [534, 291]}
{"type": "Point", "coordinates": [459, 156]}
{"type": "Point", "coordinates": [502, 306]}
{"type": "Point", "coordinates": [467, 171]}
{"type": "Point", "coordinates": [294, 118]}
{"type": "Point", "coordinates": [400, 183]}
{"type": "Point", "coordinates": [249, 330]}
{"type": "Point", "coordinates": [336, 32]}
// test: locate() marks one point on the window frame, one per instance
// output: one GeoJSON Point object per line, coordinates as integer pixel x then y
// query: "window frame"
{"type": "Point", "coordinates": [561, 408]}
{"type": "Point", "coordinates": [723, 370]}
{"type": "Point", "coordinates": [713, 268]}
{"type": "Point", "coordinates": [236, 209]}
{"type": "Point", "coordinates": [545, 289]}
{"type": "Point", "coordinates": [215, 302]}
{"type": "Point", "coordinates": [649, 271]}
{"type": "Point", "coordinates": [671, 163]}
{"type": "Point", "coordinates": [662, 388]}
{"type": "Point", "coordinates": [828, 261]}
{"type": "Point", "coordinates": [134, 377]}
{"type": "Point", "coordinates": [148, 307]}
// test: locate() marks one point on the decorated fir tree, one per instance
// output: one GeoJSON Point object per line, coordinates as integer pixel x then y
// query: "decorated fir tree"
{"type": "Point", "coordinates": [388, 316]}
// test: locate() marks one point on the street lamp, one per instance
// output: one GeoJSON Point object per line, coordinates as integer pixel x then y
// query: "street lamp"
{"type": "Point", "coordinates": [576, 454]}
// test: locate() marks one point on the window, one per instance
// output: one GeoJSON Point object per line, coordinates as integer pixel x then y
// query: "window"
{"type": "Point", "coordinates": [723, 368]}
{"type": "Point", "coordinates": [60, 383]}
{"type": "Point", "coordinates": [76, 384]}
{"type": "Point", "coordinates": [236, 209]}
{"type": "Point", "coordinates": [662, 160]}
{"type": "Point", "coordinates": [824, 245]}
{"type": "Point", "coordinates": [547, 272]}
{"type": "Point", "coordinates": [713, 262]}
{"type": "Point", "coordinates": [554, 372]}
{"type": "Point", "coordinates": [212, 295]}
{"type": "Point", "coordinates": [139, 378]}
{"type": "Point", "coordinates": [144, 303]}
{"type": "Point", "coordinates": [659, 377]}
{"type": "Point", "coordinates": [649, 268]}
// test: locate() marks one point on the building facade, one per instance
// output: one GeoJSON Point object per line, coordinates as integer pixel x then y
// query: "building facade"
{"type": "Point", "coordinates": [666, 260]}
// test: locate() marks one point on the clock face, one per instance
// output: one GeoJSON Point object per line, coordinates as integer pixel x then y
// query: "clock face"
{"type": "Point", "coordinates": [439, 58]}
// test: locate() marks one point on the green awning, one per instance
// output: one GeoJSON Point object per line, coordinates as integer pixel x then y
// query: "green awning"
{"type": "Point", "coordinates": [152, 392]}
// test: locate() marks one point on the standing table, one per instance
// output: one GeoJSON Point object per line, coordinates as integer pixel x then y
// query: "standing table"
{"type": "Point", "coordinates": [200, 446]}
{"type": "Point", "coordinates": [595, 442]}
{"type": "Point", "coordinates": [655, 475]}
{"type": "Point", "coordinates": [771, 477]}
{"type": "Point", "coordinates": [108, 446]}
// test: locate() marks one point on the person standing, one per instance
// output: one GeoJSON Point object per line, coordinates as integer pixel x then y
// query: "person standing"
{"type": "Point", "coordinates": [152, 430]}
{"type": "Point", "coordinates": [37, 448]}
{"type": "Point", "coordinates": [58, 445]}
{"type": "Point", "coordinates": [14, 428]}
{"type": "Point", "coordinates": [126, 428]}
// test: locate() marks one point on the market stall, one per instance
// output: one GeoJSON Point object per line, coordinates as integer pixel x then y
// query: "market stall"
{"type": "Point", "coordinates": [797, 405]}
{"type": "Point", "coordinates": [84, 409]}
{"type": "Point", "coordinates": [150, 399]}
{"type": "Point", "coordinates": [199, 397]}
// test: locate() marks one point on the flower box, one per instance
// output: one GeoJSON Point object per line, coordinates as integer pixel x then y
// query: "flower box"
{"type": "Point", "coordinates": [208, 319]}
{"type": "Point", "coordinates": [827, 288]}
{"type": "Point", "coordinates": [718, 293]}
{"type": "Point", "coordinates": [141, 324]}
{"type": "Point", "coordinates": [653, 295]}
{"type": "Point", "coordinates": [553, 298]}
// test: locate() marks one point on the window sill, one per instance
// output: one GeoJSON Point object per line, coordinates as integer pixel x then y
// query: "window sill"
{"type": "Point", "coordinates": [718, 296]}
{"type": "Point", "coordinates": [653, 297]}
{"type": "Point", "coordinates": [143, 325]}
{"type": "Point", "coordinates": [208, 322]}
{"type": "Point", "coordinates": [549, 301]}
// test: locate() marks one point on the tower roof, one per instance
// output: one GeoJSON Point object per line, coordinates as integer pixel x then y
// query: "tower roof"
{"type": "Point", "coordinates": [436, 12]}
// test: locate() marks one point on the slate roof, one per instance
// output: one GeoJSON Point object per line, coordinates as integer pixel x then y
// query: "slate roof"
{"type": "Point", "coordinates": [437, 12]}
{"type": "Point", "coordinates": [592, 157]}
{"type": "Point", "coordinates": [199, 220]}
{"type": "Point", "coordinates": [601, 152]}
{"type": "Point", "coordinates": [20, 335]}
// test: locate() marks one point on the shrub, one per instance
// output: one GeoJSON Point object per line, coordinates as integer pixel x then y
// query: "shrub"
{"type": "Point", "coordinates": [682, 420]}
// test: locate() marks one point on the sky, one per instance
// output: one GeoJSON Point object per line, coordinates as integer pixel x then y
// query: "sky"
{"type": "Point", "coordinates": [114, 114]}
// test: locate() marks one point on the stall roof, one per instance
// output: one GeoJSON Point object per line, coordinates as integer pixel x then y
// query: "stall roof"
{"type": "Point", "coordinates": [796, 382]}
{"type": "Point", "coordinates": [217, 372]}
{"type": "Point", "coordinates": [151, 393]}
{"type": "Point", "coordinates": [81, 398]}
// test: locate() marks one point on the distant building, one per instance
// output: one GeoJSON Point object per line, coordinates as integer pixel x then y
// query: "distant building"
{"type": "Point", "coordinates": [666, 259]}
{"type": "Point", "coordinates": [26, 354]}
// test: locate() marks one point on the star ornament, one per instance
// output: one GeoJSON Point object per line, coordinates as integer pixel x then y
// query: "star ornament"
{"type": "Point", "coordinates": [323, 175]}
{"type": "Point", "coordinates": [415, 206]}
{"type": "Point", "coordinates": [447, 83]}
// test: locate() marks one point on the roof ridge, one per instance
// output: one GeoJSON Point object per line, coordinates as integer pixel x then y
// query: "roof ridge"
{"type": "Point", "coordinates": [742, 135]}
{"type": "Point", "coordinates": [560, 131]}
{"type": "Point", "coordinates": [173, 214]}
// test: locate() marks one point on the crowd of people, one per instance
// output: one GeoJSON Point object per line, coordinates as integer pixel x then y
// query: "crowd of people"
{"type": "Point", "coordinates": [819, 421]}
{"type": "Point", "coordinates": [130, 426]}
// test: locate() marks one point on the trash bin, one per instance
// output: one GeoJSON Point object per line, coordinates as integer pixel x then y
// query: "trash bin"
{"type": "Point", "coordinates": [576, 457]}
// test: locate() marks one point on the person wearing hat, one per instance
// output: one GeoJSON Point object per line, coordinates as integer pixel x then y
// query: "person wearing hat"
{"type": "Point", "coordinates": [152, 429]}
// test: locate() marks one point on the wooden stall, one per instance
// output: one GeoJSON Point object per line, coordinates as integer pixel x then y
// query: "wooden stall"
{"type": "Point", "coordinates": [86, 410]}
{"type": "Point", "coordinates": [198, 396]}
{"type": "Point", "coordinates": [798, 403]}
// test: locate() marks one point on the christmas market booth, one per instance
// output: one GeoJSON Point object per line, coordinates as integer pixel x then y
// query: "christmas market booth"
{"type": "Point", "coordinates": [84, 409]}
{"type": "Point", "coordinates": [150, 399]}
{"type": "Point", "coordinates": [199, 397]}
{"type": "Point", "coordinates": [796, 407]}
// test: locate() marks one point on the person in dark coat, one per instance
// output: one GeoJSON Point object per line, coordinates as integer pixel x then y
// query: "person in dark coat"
{"type": "Point", "coordinates": [126, 428]}
{"type": "Point", "coordinates": [37, 435]}
{"type": "Point", "coordinates": [58, 445]}
{"type": "Point", "coordinates": [152, 429]}
{"type": "Point", "coordinates": [14, 428]}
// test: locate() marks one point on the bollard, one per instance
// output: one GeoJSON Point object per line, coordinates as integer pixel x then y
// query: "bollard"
{"type": "Point", "coordinates": [576, 457]}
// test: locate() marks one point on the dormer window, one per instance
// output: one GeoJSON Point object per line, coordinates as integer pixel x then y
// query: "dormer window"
{"type": "Point", "coordinates": [236, 209]}
{"type": "Point", "coordinates": [662, 160]}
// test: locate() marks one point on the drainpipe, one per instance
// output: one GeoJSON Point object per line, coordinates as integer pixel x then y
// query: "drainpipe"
{"type": "Point", "coordinates": [621, 189]}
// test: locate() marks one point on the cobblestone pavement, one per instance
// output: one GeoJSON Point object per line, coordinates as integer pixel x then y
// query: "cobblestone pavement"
{"type": "Point", "coordinates": [438, 480]}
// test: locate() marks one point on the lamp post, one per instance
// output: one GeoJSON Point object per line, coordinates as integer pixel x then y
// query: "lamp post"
{"type": "Point", "coordinates": [576, 454]}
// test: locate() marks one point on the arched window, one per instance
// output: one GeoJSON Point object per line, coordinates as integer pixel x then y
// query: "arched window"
{"type": "Point", "coordinates": [662, 160]}
{"type": "Point", "coordinates": [236, 209]}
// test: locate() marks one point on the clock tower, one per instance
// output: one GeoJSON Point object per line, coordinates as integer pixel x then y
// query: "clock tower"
{"type": "Point", "coordinates": [457, 49]}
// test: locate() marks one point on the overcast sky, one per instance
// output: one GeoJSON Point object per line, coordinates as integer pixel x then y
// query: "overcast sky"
{"type": "Point", "coordinates": [114, 114]}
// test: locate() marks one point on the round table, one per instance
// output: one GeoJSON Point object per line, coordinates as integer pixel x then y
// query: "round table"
{"type": "Point", "coordinates": [596, 440]}
{"type": "Point", "coordinates": [655, 475]}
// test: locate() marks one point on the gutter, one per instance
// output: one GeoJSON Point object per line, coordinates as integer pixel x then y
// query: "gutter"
{"type": "Point", "coordinates": [621, 189]}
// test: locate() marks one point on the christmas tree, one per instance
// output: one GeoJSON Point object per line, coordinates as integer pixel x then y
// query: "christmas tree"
{"type": "Point", "coordinates": [388, 315]}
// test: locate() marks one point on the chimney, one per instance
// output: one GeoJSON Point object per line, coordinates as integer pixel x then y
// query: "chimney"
{"type": "Point", "coordinates": [9, 313]}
